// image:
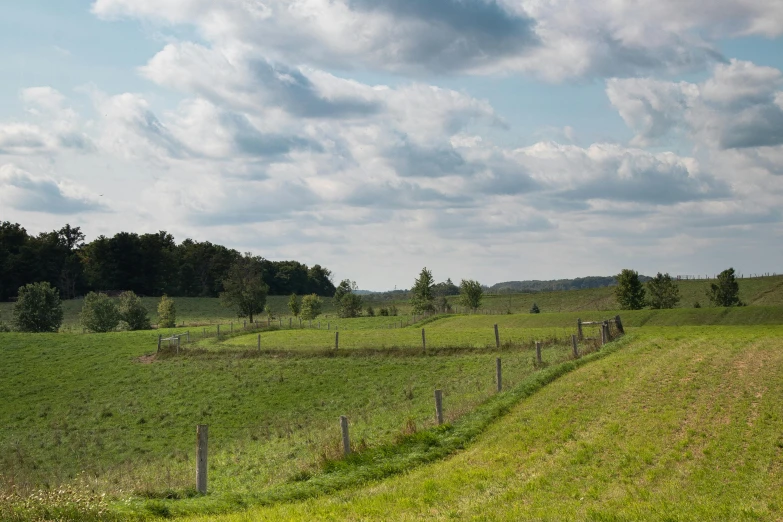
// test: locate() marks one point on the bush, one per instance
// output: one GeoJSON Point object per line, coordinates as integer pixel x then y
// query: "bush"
{"type": "Point", "coordinates": [370, 311]}
{"type": "Point", "coordinates": [167, 313]}
{"type": "Point", "coordinates": [534, 309]}
{"type": "Point", "coordinates": [38, 308]}
{"type": "Point", "coordinates": [392, 310]}
{"type": "Point", "coordinates": [696, 304]}
{"type": "Point", "coordinates": [132, 313]}
{"type": "Point", "coordinates": [99, 313]}
{"type": "Point", "coordinates": [311, 306]}
{"type": "Point", "coordinates": [384, 312]}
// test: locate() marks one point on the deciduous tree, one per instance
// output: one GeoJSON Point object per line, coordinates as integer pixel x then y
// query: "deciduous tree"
{"type": "Point", "coordinates": [470, 294]}
{"type": "Point", "coordinates": [630, 291]}
{"type": "Point", "coordinates": [725, 291]}
{"type": "Point", "coordinates": [311, 306]}
{"type": "Point", "coordinates": [38, 308]}
{"type": "Point", "coordinates": [663, 292]}
{"type": "Point", "coordinates": [133, 312]}
{"type": "Point", "coordinates": [422, 297]}
{"type": "Point", "coordinates": [245, 290]}
{"type": "Point", "coordinates": [99, 313]}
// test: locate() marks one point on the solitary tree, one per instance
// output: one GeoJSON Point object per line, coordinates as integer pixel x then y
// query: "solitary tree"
{"type": "Point", "coordinates": [629, 292]}
{"type": "Point", "coordinates": [348, 303]}
{"type": "Point", "coordinates": [311, 306]}
{"type": "Point", "coordinates": [422, 298]}
{"type": "Point", "coordinates": [133, 312]}
{"type": "Point", "coordinates": [167, 312]}
{"type": "Point", "coordinates": [38, 308]}
{"type": "Point", "coordinates": [295, 305]}
{"type": "Point", "coordinates": [99, 313]}
{"type": "Point", "coordinates": [245, 290]}
{"type": "Point", "coordinates": [470, 294]}
{"type": "Point", "coordinates": [664, 293]}
{"type": "Point", "coordinates": [535, 309]}
{"type": "Point", "coordinates": [725, 292]}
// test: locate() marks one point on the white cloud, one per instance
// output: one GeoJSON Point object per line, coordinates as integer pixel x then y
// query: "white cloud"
{"type": "Point", "coordinates": [736, 108]}
{"type": "Point", "coordinates": [555, 39]}
{"type": "Point", "coordinates": [22, 190]}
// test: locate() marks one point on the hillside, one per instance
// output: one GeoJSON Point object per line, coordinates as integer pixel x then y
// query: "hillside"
{"type": "Point", "coordinates": [678, 425]}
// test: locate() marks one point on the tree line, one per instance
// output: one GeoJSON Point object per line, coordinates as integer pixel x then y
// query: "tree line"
{"type": "Point", "coordinates": [662, 292]}
{"type": "Point", "coordinates": [146, 264]}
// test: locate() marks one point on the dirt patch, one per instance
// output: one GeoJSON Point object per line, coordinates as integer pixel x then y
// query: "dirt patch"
{"type": "Point", "coordinates": [146, 359]}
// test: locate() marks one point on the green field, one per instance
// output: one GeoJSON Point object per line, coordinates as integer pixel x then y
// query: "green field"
{"type": "Point", "coordinates": [95, 426]}
{"type": "Point", "coordinates": [681, 424]}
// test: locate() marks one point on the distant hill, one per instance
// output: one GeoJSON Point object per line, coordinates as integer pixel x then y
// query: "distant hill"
{"type": "Point", "coordinates": [580, 283]}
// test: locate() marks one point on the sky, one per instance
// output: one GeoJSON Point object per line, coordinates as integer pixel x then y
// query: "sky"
{"type": "Point", "coordinates": [484, 139]}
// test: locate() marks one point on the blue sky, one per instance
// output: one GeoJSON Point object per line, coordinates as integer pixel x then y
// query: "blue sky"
{"type": "Point", "coordinates": [493, 140]}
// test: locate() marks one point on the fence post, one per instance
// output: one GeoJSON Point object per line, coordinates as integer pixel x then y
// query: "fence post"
{"type": "Point", "coordinates": [499, 374]}
{"type": "Point", "coordinates": [218, 332]}
{"type": "Point", "coordinates": [244, 324]}
{"type": "Point", "coordinates": [159, 338]}
{"type": "Point", "coordinates": [538, 352]}
{"type": "Point", "coordinates": [497, 337]}
{"type": "Point", "coordinates": [259, 342]}
{"type": "Point", "coordinates": [201, 458]}
{"type": "Point", "coordinates": [439, 406]}
{"type": "Point", "coordinates": [423, 340]}
{"type": "Point", "coordinates": [579, 329]}
{"type": "Point", "coordinates": [290, 322]}
{"type": "Point", "coordinates": [574, 346]}
{"type": "Point", "coordinates": [187, 336]}
{"type": "Point", "coordinates": [319, 325]}
{"type": "Point", "coordinates": [619, 324]}
{"type": "Point", "coordinates": [603, 334]}
{"type": "Point", "coordinates": [204, 333]}
{"type": "Point", "coordinates": [328, 325]}
{"type": "Point", "coordinates": [336, 340]}
{"type": "Point", "coordinates": [232, 327]}
{"type": "Point", "coordinates": [346, 437]}
{"type": "Point", "coordinates": [178, 338]}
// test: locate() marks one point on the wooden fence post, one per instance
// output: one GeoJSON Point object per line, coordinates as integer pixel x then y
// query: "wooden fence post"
{"type": "Point", "coordinates": [178, 338]}
{"type": "Point", "coordinates": [603, 334]}
{"type": "Point", "coordinates": [336, 340]}
{"type": "Point", "coordinates": [244, 324]}
{"type": "Point", "coordinates": [439, 406]}
{"type": "Point", "coordinates": [579, 329]}
{"type": "Point", "coordinates": [204, 333]}
{"type": "Point", "coordinates": [499, 374]}
{"type": "Point", "coordinates": [328, 325]}
{"type": "Point", "coordinates": [290, 322]}
{"type": "Point", "coordinates": [187, 336]}
{"type": "Point", "coordinates": [201, 458]}
{"type": "Point", "coordinates": [497, 337]}
{"type": "Point", "coordinates": [159, 339]}
{"type": "Point", "coordinates": [423, 340]}
{"type": "Point", "coordinates": [574, 346]}
{"type": "Point", "coordinates": [259, 342]}
{"type": "Point", "coordinates": [619, 324]}
{"type": "Point", "coordinates": [218, 332]}
{"type": "Point", "coordinates": [346, 437]}
{"type": "Point", "coordinates": [538, 352]}
{"type": "Point", "coordinates": [232, 327]}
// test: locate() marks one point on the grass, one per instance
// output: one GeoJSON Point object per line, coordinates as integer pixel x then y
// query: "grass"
{"type": "Point", "coordinates": [96, 419]}
{"type": "Point", "coordinates": [682, 424]}
{"type": "Point", "coordinates": [88, 415]}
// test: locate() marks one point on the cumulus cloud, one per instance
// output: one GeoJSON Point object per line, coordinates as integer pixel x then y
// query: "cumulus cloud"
{"type": "Point", "coordinates": [22, 190]}
{"type": "Point", "coordinates": [556, 39]}
{"type": "Point", "coordinates": [736, 108]}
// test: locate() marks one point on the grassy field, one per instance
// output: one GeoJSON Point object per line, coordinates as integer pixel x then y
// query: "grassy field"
{"type": "Point", "coordinates": [681, 424]}
{"type": "Point", "coordinates": [86, 415]}
{"type": "Point", "coordinates": [762, 291]}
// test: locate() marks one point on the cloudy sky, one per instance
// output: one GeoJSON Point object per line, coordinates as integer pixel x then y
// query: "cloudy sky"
{"type": "Point", "coordinates": [486, 139]}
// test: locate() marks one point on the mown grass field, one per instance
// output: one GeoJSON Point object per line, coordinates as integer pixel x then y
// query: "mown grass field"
{"type": "Point", "coordinates": [95, 414]}
{"type": "Point", "coordinates": [681, 424]}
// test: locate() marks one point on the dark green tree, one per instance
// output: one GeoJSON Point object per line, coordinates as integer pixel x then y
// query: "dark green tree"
{"type": "Point", "coordinates": [663, 292]}
{"type": "Point", "coordinates": [245, 290]}
{"type": "Point", "coordinates": [535, 309]}
{"type": "Point", "coordinates": [132, 312]}
{"type": "Point", "coordinates": [630, 291]}
{"type": "Point", "coordinates": [99, 313]}
{"type": "Point", "coordinates": [725, 291]}
{"type": "Point", "coordinates": [470, 294]}
{"type": "Point", "coordinates": [347, 302]}
{"type": "Point", "coordinates": [422, 297]}
{"type": "Point", "coordinates": [38, 308]}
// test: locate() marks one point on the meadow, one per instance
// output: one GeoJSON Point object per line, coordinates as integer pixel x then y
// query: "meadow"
{"type": "Point", "coordinates": [99, 426]}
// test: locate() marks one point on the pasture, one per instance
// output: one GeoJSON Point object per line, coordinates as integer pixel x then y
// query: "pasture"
{"type": "Point", "coordinates": [97, 426]}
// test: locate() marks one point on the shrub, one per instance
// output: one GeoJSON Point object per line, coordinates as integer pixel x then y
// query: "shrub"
{"type": "Point", "coordinates": [38, 308]}
{"type": "Point", "coordinates": [393, 310]}
{"type": "Point", "coordinates": [295, 305]}
{"type": "Point", "coordinates": [664, 293]}
{"type": "Point", "coordinates": [167, 313]}
{"type": "Point", "coordinates": [311, 306]}
{"type": "Point", "coordinates": [696, 304]}
{"type": "Point", "coordinates": [370, 311]}
{"type": "Point", "coordinates": [99, 313]}
{"type": "Point", "coordinates": [470, 294]}
{"type": "Point", "coordinates": [535, 309]}
{"type": "Point", "coordinates": [384, 312]}
{"type": "Point", "coordinates": [133, 313]}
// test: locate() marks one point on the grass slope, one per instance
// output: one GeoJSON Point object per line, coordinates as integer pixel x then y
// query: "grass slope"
{"type": "Point", "coordinates": [684, 424]}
